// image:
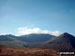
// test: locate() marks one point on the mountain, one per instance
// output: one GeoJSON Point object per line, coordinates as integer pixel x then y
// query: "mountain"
{"type": "Point", "coordinates": [23, 41]}
{"type": "Point", "coordinates": [9, 40]}
{"type": "Point", "coordinates": [35, 38]}
{"type": "Point", "coordinates": [31, 38]}
{"type": "Point", "coordinates": [7, 37]}
{"type": "Point", "coordinates": [64, 42]}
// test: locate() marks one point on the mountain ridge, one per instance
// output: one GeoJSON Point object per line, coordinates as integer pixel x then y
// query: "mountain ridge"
{"type": "Point", "coordinates": [63, 42]}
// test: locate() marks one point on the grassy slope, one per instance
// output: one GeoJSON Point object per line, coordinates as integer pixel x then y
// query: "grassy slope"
{"type": "Point", "coordinates": [13, 51]}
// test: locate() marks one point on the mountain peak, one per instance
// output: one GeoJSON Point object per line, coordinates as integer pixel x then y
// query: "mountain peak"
{"type": "Point", "coordinates": [66, 35]}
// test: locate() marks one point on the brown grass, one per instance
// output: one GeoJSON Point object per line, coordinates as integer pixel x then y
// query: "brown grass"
{"type": "Point", "coordinates": [13, 51]}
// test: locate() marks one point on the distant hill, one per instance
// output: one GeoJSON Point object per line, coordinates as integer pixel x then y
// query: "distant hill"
{"type": "Point", "coordinates": [7, 37]}
{"type": "Point", "coordinates": [23, 41]}
{"type": "Point", "coordinates": [35, 38]}
{"type": "Point", "coordinates": [31, 38]}
{"type": "Point", "coordinates": [9, 40]}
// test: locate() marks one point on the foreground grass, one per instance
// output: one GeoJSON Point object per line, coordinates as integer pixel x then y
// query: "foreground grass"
{"type": "Point", "coordinates": [13, 51]}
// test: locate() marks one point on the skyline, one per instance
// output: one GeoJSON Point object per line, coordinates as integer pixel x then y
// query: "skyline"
{"type": "Point", "coordinates": [50, 15]}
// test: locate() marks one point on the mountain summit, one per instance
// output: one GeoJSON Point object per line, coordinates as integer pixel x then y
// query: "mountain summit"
{"type": "Point", "coordinates": [66, 35]}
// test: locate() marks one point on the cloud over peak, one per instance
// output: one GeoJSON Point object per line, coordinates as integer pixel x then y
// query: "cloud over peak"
{"type": "Point", "coordinates": [35, 30]}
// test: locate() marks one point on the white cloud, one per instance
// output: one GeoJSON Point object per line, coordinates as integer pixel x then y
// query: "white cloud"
{"type": "Point", "coordinates": [4, 33]}
{"type": "Point", "coordinates": [35, 30]}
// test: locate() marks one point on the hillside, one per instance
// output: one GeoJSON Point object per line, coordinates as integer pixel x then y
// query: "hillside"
{"type": "Point", "coordinates": [9, 40]}
{"type": "Point", "coordinates": [64, 42]}
{"type": "Point", "coordinates": [35, 38]}
{"type": "Point", "coordinates": [31, 38]}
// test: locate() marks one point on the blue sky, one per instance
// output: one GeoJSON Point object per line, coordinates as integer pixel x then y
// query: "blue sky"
{"type": "Point", "coordinates": [49, 15]}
